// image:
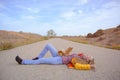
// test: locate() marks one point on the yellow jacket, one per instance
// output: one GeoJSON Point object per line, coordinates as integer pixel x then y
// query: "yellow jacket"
{"type": "Point", "coordinates": [80, 66]}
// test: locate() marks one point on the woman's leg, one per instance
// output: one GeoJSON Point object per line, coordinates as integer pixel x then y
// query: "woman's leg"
{"type": "Point", "coordinates": [47, 48]}
{"type": "Point", "coordinates": [52, 60]}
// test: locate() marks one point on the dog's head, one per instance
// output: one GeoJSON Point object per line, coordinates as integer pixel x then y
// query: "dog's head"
{"type": "Point", "coordinates": [65, 52]}
{"type": "Point", "coordinates": [68, 50]}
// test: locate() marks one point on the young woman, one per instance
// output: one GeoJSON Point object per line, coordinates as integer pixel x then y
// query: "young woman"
{"type": "Point", "coordinates": [55, 59]}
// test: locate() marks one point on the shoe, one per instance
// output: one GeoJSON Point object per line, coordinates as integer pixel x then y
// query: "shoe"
{"type": "Point", "coordinates": [35, 58]}
{"type": "Point", "coordinates": [18, 59]}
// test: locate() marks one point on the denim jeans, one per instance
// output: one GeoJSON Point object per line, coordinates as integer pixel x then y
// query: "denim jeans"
{"type": "Point", "coordinates": [55, 59]}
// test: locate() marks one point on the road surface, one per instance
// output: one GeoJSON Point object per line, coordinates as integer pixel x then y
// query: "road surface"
{"type": "Point", "coordinates": [107, 62]}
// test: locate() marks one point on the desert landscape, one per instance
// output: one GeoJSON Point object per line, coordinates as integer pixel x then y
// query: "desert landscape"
{"type": "Point", "coordinates": [109, 38]}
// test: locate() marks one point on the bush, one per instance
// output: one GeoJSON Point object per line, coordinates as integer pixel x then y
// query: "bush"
{"type": "Point", "coordinates": [46, 38]}
{"type": "Point", "coordinates": [5, 45]}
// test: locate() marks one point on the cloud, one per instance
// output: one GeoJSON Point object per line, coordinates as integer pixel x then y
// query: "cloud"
{"type": "Point", "coordinates": [68, 15]}
{"type": "Point", "coordinates": [30, 17]}
{"type": "Point", "coordinates": [30, 9]}
{"type": "Point", "coordinates": [3, 7]}
{"type": "Point", "coordinates": [34, 10]}
{"type": "Point", "coordinates": [78, 22]}
{"type": "Point", "coordinates": [109, 11]}
{"type": "Point", "coordinates": [72, 14]}
{"type": "Point", "coordinates": [111, 5]}
{"type": "Point", "coordinates": [83, 1]}
{"type": "Point", "coordinates": [80, 11]}
{"type": "Point", "coordinates": [72, 17]}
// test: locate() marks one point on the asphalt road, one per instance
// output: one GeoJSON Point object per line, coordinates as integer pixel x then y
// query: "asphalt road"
{"type": "Point", "coordinates": [107, 63]}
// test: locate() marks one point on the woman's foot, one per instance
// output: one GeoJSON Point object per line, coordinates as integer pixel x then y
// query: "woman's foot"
{"type": "Point", "coordinates": [18, 59]}
{"type": "Point", "coordinates": [35, 58]}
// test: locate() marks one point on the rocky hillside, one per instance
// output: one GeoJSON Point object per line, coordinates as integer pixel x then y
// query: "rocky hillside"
{"type": "Point", "coordinates": [109, 37]}
{"type": "Point", "coordinates": [12, 39]}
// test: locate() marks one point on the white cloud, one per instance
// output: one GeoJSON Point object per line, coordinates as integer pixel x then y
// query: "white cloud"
{"type": "Point", "coordinates": [109, 11]}
{"type": "Point", "coordinates": [68, 15]}
{"type": "Point", "coordinates": [106, 16]}
{"type": "Point", "coordinates": [30, 9]}
{"type": "Point", "coordinates": [34, 10]}
{"type": "Point", "coordinates": [83, 1]}
{"type": "Point", "coordinates": [80, 11]}
{"type": "Point", "coordinates": [111, 5]}
{"type": "Point", "coordinates": [72, 14]}
{"type": "Point", "coordinates": [101, 18]}
{"type": "Point", "coordinates": [30, 17]}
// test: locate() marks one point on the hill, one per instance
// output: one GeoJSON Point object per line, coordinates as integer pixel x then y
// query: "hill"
{"type": "Point", "coordinates": [109, 38]}
{"type": "Point", "coordinates": [9, 39]}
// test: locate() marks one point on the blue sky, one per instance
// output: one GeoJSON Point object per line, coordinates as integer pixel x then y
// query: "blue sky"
{"type": "Point", "coordinates": [65, 17]}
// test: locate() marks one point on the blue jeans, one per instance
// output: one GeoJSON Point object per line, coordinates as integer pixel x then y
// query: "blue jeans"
{"type": "Point", "coordinates": [55, 59]}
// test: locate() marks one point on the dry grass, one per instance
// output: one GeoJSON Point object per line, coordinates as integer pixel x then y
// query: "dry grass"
{"type": "Point", "coordinates": [6, 45]}
{"type": "Point", "coordinates": [10, 40]}
{"type": "Point", "coordinates": [79, 39]}
{"type": "Point", "coordinates": [11, 43]}
{"type": "Point", "coordinates": [95, 42]}
{"type": "Point", "coordinates": [114, 47]}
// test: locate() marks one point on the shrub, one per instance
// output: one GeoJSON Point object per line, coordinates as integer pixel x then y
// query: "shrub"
{"type": "Point", "coordinates": [46, 38]}
{"type": "Point", "coordinates": [84, 42]}
{"type": "Point", "coordinates": [113, 46]}
{"type": "Point", "coordinates": [5, 45]}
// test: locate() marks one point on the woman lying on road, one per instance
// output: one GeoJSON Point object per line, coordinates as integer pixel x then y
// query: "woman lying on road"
{"type": "Point", "coordinates": [57, 59]}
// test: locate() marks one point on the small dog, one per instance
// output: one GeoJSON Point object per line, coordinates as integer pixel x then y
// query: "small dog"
{"type": "Point", "coordinates": [85, 59]}
{"type": "Point", "coordinates": [65, 52]}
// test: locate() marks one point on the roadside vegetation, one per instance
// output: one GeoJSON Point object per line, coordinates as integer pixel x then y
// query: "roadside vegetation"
{"type": "Point", "coordinates": [9, 39]}
{"type": "Point", "coordinates": [80, 39]}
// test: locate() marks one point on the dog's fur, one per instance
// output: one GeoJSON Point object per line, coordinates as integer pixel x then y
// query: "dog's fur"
{"type": "Point", "coordinates": [82, 61]}
{"type": "Point", "coordinates": [65, 52]}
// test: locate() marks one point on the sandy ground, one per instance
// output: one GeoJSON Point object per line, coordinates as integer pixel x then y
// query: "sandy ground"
{"type": "Point", "coordinates": [107, 62]}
